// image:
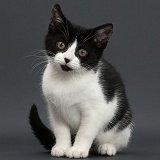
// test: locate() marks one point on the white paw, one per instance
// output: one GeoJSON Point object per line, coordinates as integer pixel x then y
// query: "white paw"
{"type": "Point", "coordinates": [107, 149]}
{"type": "Point", "coordinates": [77, 152]}
{"type": "Point", "coordinates": [58, 151]}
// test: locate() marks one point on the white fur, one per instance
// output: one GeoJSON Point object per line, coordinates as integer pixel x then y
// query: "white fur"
{"type": "Point", "coordinates": [69, 54]}
{"type": "Point", "coordinates": [107, 149]}
{"type": "Point", "coordinates": [77, 106]}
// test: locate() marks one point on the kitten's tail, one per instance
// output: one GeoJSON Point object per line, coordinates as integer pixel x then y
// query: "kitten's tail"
{"type": "Point", "coordinates": [44, 135]}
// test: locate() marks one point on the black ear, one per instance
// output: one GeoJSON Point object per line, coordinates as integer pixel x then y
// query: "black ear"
{"type": "Point", "coordinates": [103, 34]}
{"type": "Point", "coordinates": [57, 17]}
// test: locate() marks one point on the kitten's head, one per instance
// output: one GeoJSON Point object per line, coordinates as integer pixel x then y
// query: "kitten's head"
{"type": "Point", "coordinates": [72, 47]}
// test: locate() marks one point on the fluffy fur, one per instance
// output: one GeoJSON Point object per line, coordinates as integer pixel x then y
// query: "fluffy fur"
{"type": "Point", "coordinates": [85, 95]}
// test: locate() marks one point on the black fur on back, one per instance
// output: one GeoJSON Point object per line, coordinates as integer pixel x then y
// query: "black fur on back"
{"type": "Point", "coordinates": [44, 135]}
{"type": "Point", "coordinates": [112, 85]}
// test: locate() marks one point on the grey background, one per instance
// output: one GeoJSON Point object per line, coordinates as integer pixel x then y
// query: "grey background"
{"type": "Point", "coordinates": [134, 50]}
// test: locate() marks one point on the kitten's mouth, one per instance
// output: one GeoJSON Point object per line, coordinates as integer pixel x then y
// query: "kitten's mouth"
{"type": "Point", "coordinates": [65, 68]}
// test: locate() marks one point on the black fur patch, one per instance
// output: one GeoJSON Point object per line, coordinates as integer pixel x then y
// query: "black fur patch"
{"type": "Point", "coordinates": [92, 40]}
{"type": "Point", "coordinates": [113, 85]}
{"type": "Point", "coordinates": [44, 135]}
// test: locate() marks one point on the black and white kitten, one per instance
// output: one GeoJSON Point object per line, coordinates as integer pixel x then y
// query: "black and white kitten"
{"type": "Point", "coordinates": [85, 95]}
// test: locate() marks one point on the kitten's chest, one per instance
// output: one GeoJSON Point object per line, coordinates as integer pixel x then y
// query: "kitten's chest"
{"type": "Point", "coordinates": [68, 96]}
{"type": "Point", "coordinates": [64, 92]}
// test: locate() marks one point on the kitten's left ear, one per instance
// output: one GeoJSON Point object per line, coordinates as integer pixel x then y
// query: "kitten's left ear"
{"type": "Point", "coordinates": [57, 17]}
{"type": "Point", "coordinates": [103, 34]}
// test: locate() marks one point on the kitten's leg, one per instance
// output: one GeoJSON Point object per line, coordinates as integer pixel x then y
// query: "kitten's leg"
{"type": "Point", "coordinates": [62, 134]}
{"type": "Point", "coordinates": [112, 141]}
{"type": "Point", "coordinates": [89, 128]}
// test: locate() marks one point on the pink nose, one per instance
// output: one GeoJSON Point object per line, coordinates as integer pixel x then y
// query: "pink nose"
{"type": "Point", "coordinates": [67, 60]}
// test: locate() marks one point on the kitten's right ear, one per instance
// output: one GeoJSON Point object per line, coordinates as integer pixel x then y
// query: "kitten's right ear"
{"type": "Point", "coordinates": [57, 17]}
{"type": "Point", "coordinates": [103, 34]}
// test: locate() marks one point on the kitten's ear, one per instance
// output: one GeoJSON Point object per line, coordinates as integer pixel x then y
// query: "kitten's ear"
{"type": "Point", "coordinates": [57, 17]}
{"type": "Point", "coordinates": [103, 34]}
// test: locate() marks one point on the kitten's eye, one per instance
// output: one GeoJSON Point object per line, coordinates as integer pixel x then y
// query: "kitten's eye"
{"type": "Point", "coordinates": [82, 53]}
{"type": "Point", "coordinates": [61, 45]}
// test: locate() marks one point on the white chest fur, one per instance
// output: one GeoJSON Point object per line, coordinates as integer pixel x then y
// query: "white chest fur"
{"type": "Point", "coordinates": [68, 94]}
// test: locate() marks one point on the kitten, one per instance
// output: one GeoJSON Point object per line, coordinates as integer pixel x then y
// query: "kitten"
{"type": "Point", "coordinates": [86, 98]}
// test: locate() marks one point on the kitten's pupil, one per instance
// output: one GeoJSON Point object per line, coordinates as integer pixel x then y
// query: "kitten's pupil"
{"type": "Point", "coordinates": [82, 53]}
{"type": "Point", "coordinates": [61, 45]}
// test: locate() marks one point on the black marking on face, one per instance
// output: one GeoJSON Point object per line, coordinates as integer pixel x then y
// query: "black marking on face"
{"type": "Point", "coordinates": [65, 68]}
{"type": "Point", "coordinates": [93, 41]}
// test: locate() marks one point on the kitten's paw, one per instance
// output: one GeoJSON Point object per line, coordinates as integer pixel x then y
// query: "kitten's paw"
{"type": "Point", "coordinates": [77, 152]}
{"type": "Point", "coordinates": [107, 149]}
{"type": "Point", "coordinates": [58, 151]}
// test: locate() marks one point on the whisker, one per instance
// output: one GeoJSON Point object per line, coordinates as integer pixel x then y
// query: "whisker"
{"type": "Point", "coordinates": [85, 65]}
{"type": "Point", "coordinates": [91, 37]}
{"type": "Point", "coordinates": [40, 50]}
{"type": "Point", "coordinates": [64, 29]}
{"type": "Point", "coordinates": [57, 61]}
{"type": "Point", "coordinates": [62, 32]}
{"type": "Point", "coordinates": [42, 69]}
{"type": "Point", "coordinates": [87, 36]}
{"type": "Point", "coordinates": [37, 65]}
{"type": "Point", "coordinates": [67, 28]}
{"type": "Point", "coordinates": [35, 53]}
{"type": "Point", "coordinates": [35, 61]}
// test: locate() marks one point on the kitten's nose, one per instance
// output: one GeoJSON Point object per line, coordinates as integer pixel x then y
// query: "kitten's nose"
{"type": "Point", "coordinates": [67, 60]}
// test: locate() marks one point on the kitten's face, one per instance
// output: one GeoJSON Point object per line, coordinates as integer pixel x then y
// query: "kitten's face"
{"type": "Point", "coordinates": [71, 47]}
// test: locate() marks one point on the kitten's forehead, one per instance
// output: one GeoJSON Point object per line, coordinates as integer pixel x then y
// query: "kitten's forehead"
{"type": "Point", "coordinates": [72, 46]}
{"type": "Point", "coordinates": [80, 34]}
{"type": "Point", "coordinates": [75, 35]}
{"type": "Point", "coordinates": [84, 35]}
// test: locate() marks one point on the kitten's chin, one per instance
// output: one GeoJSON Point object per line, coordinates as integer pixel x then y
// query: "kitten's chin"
{"type": "Point", "coordinates": [65, 68]}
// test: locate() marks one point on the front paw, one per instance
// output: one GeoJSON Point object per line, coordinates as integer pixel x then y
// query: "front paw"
{"type": "Point", "coordinates": [107, 149]}
{"type": "Point", "coordinates": [59, 151]}
{"type": "Point", "coordinates": [77, 152]}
